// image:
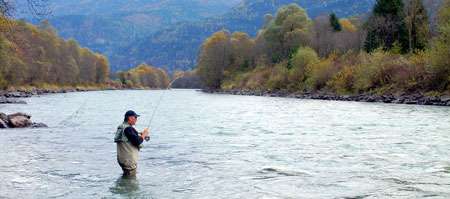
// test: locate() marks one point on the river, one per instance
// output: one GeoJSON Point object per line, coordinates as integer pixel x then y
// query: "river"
{"type": "Point", "coordinates": [226, 146]}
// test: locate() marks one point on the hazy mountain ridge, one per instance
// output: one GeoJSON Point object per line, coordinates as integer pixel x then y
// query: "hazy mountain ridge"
{"type": "Point", "coordinates": [107, 25]}
{"type": "Point", "coordinates": [176, 47]}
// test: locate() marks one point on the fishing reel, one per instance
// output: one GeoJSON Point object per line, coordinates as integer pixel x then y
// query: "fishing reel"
{"type": "Point", "coordinates": [147, 138]}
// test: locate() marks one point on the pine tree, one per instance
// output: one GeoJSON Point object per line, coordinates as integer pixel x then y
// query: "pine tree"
{"type": "Point", "coordinates": [417, 21]}
{"type": "Point", "coordinates": [335, 22]}
{"type": "Point", "coordinates": [387, 26]}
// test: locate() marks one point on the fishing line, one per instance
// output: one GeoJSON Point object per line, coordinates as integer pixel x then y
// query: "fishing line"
{"type": "Point", "coordinates": [159, 101]}
{"type": "Point", "coordinates": [160, 98]}
{"type": "Point", "coordinates": [73, 114]}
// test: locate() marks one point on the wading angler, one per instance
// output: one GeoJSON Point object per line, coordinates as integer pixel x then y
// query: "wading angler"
{"type": "Point", "coordinates": [129, 142]}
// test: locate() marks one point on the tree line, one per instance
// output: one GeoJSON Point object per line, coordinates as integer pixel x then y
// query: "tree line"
{"type": "Point", "coordinates": [392, 50]}
{"type": "Point", "coordinates": [35, 57]}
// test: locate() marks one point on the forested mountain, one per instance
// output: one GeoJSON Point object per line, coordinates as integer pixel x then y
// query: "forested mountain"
{"type": "Point", "coordinates": [106, 25]}
{"type": "Point", "coordinates": [177, 47]}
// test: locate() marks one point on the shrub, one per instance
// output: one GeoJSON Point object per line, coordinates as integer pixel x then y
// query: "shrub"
{"type": "Point", "coordinates": [304, 57]}
{"type": "Point", "coordinates": [278, 78]}
{"type": "Point", "coordinates": [343, 81]}
{"type": "Point", "coordinates": [320, 74]}
{"type": "Point", "coordinates": [377, 70]}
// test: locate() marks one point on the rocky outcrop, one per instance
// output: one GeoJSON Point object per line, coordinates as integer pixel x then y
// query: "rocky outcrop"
{"type": "Point", "coordinates": [18, 120]}
{"type": "Point", "coordinates": [402, 99]}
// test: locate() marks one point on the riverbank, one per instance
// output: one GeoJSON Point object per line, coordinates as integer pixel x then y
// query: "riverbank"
{"type": "Point", "coordinates": [26, 94]}
{"type": "Point", "coordinates": [417, 99]}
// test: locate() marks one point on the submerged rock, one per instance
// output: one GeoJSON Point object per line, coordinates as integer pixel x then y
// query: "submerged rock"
{"type": "Point", "coordinates": [39, 125]}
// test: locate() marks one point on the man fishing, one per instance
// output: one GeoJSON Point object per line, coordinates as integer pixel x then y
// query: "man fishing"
{"type": "Point", "coordinates": [129, 142]}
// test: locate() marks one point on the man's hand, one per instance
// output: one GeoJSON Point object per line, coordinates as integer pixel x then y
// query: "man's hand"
{"type": "Point", "coordinates": [145, 133]}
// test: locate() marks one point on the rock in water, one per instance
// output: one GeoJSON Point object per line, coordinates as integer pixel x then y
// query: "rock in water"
{"type": "Point", "coordinates": [19, 114]}
{"type": "Point", "coordinates": [20, 122]}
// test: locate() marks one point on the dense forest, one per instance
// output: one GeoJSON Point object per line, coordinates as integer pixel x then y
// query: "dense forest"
{"type": "Point", "coordinates": [34, 57]}
{"type": "Point", "coordinates": [395, 50]}
{"type": "Point", "coordinates": [106, 26]}
{"type": "Point", "coordinates": [176, 47]}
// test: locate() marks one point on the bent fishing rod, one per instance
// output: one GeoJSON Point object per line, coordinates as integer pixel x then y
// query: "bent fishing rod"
{"type": "Point", "coordinates": [147, 138]}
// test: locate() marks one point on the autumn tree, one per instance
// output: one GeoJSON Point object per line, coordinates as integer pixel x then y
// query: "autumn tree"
{"type": "Point", "coordinates": [289, 30]}
{"type": "Point", "coordinates": [214, 58]}
{"type": "Point", "coordinates": [242, 52]}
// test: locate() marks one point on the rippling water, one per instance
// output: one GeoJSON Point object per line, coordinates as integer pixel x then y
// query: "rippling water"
{"type": "Point", "coordinates": [223, 146]}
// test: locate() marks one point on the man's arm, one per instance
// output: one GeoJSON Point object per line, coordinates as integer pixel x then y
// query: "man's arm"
{"type": "Point", "coordinates": [133, 136]}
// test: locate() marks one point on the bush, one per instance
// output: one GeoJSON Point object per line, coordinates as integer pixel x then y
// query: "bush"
{"type": "Point", "coordinates": [278, 78]}
{"type": "Point", "coordinates": [320, 74]}
{"type": "Point", "coordinates": [377, 70]}
{"type": "Point", "coordinates": [260, 79]}
{"type": "Point", "coordinates": [343, 81]}
{"type": "Point", "coordinates": [303, 58]}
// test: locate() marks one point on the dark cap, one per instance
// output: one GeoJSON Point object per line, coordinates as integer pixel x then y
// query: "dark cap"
{"type": "Point", "coordinates": [131, 113]}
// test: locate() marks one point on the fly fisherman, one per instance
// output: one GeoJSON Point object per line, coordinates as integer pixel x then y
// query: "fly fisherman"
{"type": "Point", "coordinates": [129, 142]}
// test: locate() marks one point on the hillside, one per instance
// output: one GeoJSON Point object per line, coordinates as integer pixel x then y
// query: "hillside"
{"type": "Point", "coordinates": [105, 26]}
{"type": "Point", "coordinates": [177, 47]}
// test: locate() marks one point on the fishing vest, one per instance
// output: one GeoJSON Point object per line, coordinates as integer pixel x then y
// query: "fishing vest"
{"type": "Point", "coordinates": [120, 134]}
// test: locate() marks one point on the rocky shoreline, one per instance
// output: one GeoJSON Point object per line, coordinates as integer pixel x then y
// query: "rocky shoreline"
{"type": "Point", "coordinates": [417, 99]}
{"type": "Point", "coordinates": [10, 97]}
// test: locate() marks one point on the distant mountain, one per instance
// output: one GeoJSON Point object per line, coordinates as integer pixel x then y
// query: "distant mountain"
{"type": "Point", "coordinates": [176, 47]}
{"type": "Point", "coordinates": [106, 25]}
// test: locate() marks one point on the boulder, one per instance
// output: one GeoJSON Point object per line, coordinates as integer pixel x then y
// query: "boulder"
{"type": "Point", "coordinates": [20, 122]}
{"type": "Point", "coordinates": [19, 114]}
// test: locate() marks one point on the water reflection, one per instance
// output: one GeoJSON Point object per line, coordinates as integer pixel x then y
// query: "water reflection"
{"type": "Point", "coordinates": [126, 185]}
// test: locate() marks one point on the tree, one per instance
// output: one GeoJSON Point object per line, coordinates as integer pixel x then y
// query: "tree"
{"type": "Point", "coordinates": [214, 58]}
{"type": "Point", "coordinates": [440, 52]}
{"type": "Point", "coordinates": [290, 29]}
{"type": "Point", "coordinates": [243, 51]}
{"type": "Point", "coordinates": [417, 20]}
{"type": "Point", "coordinates": [101, 69]}
{"type": "Point", "coordinates": [335, 24]}
{"type": "Point", "coordinates": [386, 26]}
{"type": "Point", "coordinates": [347, 26]}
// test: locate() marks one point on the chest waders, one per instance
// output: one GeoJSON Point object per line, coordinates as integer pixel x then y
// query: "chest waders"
{"type": "Point", "coordinates": [120, 134]}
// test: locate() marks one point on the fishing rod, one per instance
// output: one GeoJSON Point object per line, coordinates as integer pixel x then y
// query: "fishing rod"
{"type": "Point", "coordinates": [147, 138]}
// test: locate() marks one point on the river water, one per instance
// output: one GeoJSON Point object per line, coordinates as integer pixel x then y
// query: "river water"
{"type": "Point", "coordinates": [225, 146]}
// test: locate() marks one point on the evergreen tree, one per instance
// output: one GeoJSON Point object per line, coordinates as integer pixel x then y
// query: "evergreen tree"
{"type": "Point", "coordinates": [386, 26]}
{"type": "Point", "coordinates": [335, 22]}
{"type": "Point", "coordinates": [417, 20]}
